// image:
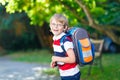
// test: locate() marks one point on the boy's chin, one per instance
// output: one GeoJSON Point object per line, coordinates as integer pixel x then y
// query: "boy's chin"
{"type": "Point", "coordinates": [56, 34]}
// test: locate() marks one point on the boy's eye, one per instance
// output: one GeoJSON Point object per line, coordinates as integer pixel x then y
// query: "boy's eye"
{"type": "Point", "coordinates": [59, 25]}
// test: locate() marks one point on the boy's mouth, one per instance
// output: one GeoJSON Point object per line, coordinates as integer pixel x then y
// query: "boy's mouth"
{"type": "Point", "coordinates": [55, 30]}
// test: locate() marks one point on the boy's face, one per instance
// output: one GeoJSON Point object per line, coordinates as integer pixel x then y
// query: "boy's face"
{"type": "Point", "coordinates": [56, 27]}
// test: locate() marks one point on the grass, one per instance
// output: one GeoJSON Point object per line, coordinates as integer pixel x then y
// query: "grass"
{"type": "Point", "coordinates": [36, 56]}
{"type": "Point", "coordinates": [111, 64]}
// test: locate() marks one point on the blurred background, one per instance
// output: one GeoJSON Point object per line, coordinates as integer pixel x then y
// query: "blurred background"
{"type": "Point", "coordinates": [24, 27]}
{"type": "Point", "coordinates": [25, 24]}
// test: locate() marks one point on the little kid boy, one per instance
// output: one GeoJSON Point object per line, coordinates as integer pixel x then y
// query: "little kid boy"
{"type": "Point", "coordinates": [65, 60]}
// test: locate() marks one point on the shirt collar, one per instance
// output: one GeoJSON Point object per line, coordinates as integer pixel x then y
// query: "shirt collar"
{"type": "Point", "coordinates": [59, 36]}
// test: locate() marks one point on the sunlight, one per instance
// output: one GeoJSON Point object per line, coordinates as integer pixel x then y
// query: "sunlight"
{"type": "Point", "coordinates": [42, 1]}
{"type": "Point", "coordinates": [3, 2]}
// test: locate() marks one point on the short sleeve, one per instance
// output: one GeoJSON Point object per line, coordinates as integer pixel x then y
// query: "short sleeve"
{"type": "Point", "coordinates": [68, 44]}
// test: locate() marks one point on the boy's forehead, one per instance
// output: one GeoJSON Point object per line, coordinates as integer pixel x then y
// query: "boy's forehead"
{"type": "Point", "coordinates": [55, 21]}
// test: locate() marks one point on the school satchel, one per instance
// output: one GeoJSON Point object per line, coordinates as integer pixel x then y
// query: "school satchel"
{"type": "Point", "coordinates": [83, 47]}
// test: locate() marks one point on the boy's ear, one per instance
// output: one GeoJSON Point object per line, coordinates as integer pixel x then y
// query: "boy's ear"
{"type": "Point", "coordinates": [65, 28]}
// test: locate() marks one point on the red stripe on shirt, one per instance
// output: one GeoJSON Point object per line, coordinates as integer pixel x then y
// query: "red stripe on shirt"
{"type": "Point", "coordinates": [67, 66]}
{"type": "Point", "coordinates": [56, 42]}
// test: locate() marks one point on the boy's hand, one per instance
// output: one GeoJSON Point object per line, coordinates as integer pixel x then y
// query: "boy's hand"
{"type": "Point", "coordinates": [53, 64]}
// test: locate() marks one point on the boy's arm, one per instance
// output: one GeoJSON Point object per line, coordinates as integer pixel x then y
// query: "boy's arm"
{"type": "Point", "coordinates": [69, 59]}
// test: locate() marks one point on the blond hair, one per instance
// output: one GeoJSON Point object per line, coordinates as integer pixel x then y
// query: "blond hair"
{"type": "Point", "coordinates": [60, 18]}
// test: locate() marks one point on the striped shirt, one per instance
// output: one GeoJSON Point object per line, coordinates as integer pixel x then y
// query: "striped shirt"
{"type": "Point", "coordinates": [65, 69]}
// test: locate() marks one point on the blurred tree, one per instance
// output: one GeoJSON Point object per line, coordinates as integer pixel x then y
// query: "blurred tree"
{"type": "Point", "coordinates": [15, 32]}
{"type": "Point", "coordinates": [100, 15]}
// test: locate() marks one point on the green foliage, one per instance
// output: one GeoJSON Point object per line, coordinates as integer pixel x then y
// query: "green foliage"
{"type": "Point", "coordinates": [40, 11]}
{"type": "Point", "coordinates": [102, 12]}
{"type": "Point", "coordinates": [11, 42]}
{"type": "Point", "coordinates": [32, 56]}
{"type": "Point", "coordinates": [52, 71]}
{"type": "Point", "coordinates": [15, 32]}
{"type": "Point", "coordinates": [112, 14]}
{"type": "Point", "coordinates": [97, 10]}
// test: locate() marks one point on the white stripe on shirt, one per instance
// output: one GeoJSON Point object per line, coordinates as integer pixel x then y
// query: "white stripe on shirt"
{"type": "Point", "coordinates": [69, 72]}
{"type": "Point", "coordinates": [57, 48]}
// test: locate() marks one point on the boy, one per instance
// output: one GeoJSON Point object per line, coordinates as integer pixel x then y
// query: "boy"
{"type": "Point", "coordinates": [65, 60]}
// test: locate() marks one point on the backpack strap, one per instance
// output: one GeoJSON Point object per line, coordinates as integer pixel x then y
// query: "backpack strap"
{"type": "Point", "coordinates": [62, 42]}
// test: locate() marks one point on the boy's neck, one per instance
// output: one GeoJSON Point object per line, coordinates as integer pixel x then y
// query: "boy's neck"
{"type": "Point", "coordinates": [58, 36]}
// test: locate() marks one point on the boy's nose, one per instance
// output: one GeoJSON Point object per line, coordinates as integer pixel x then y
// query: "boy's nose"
{"type": "Point", "coordinates": [56, 25]}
